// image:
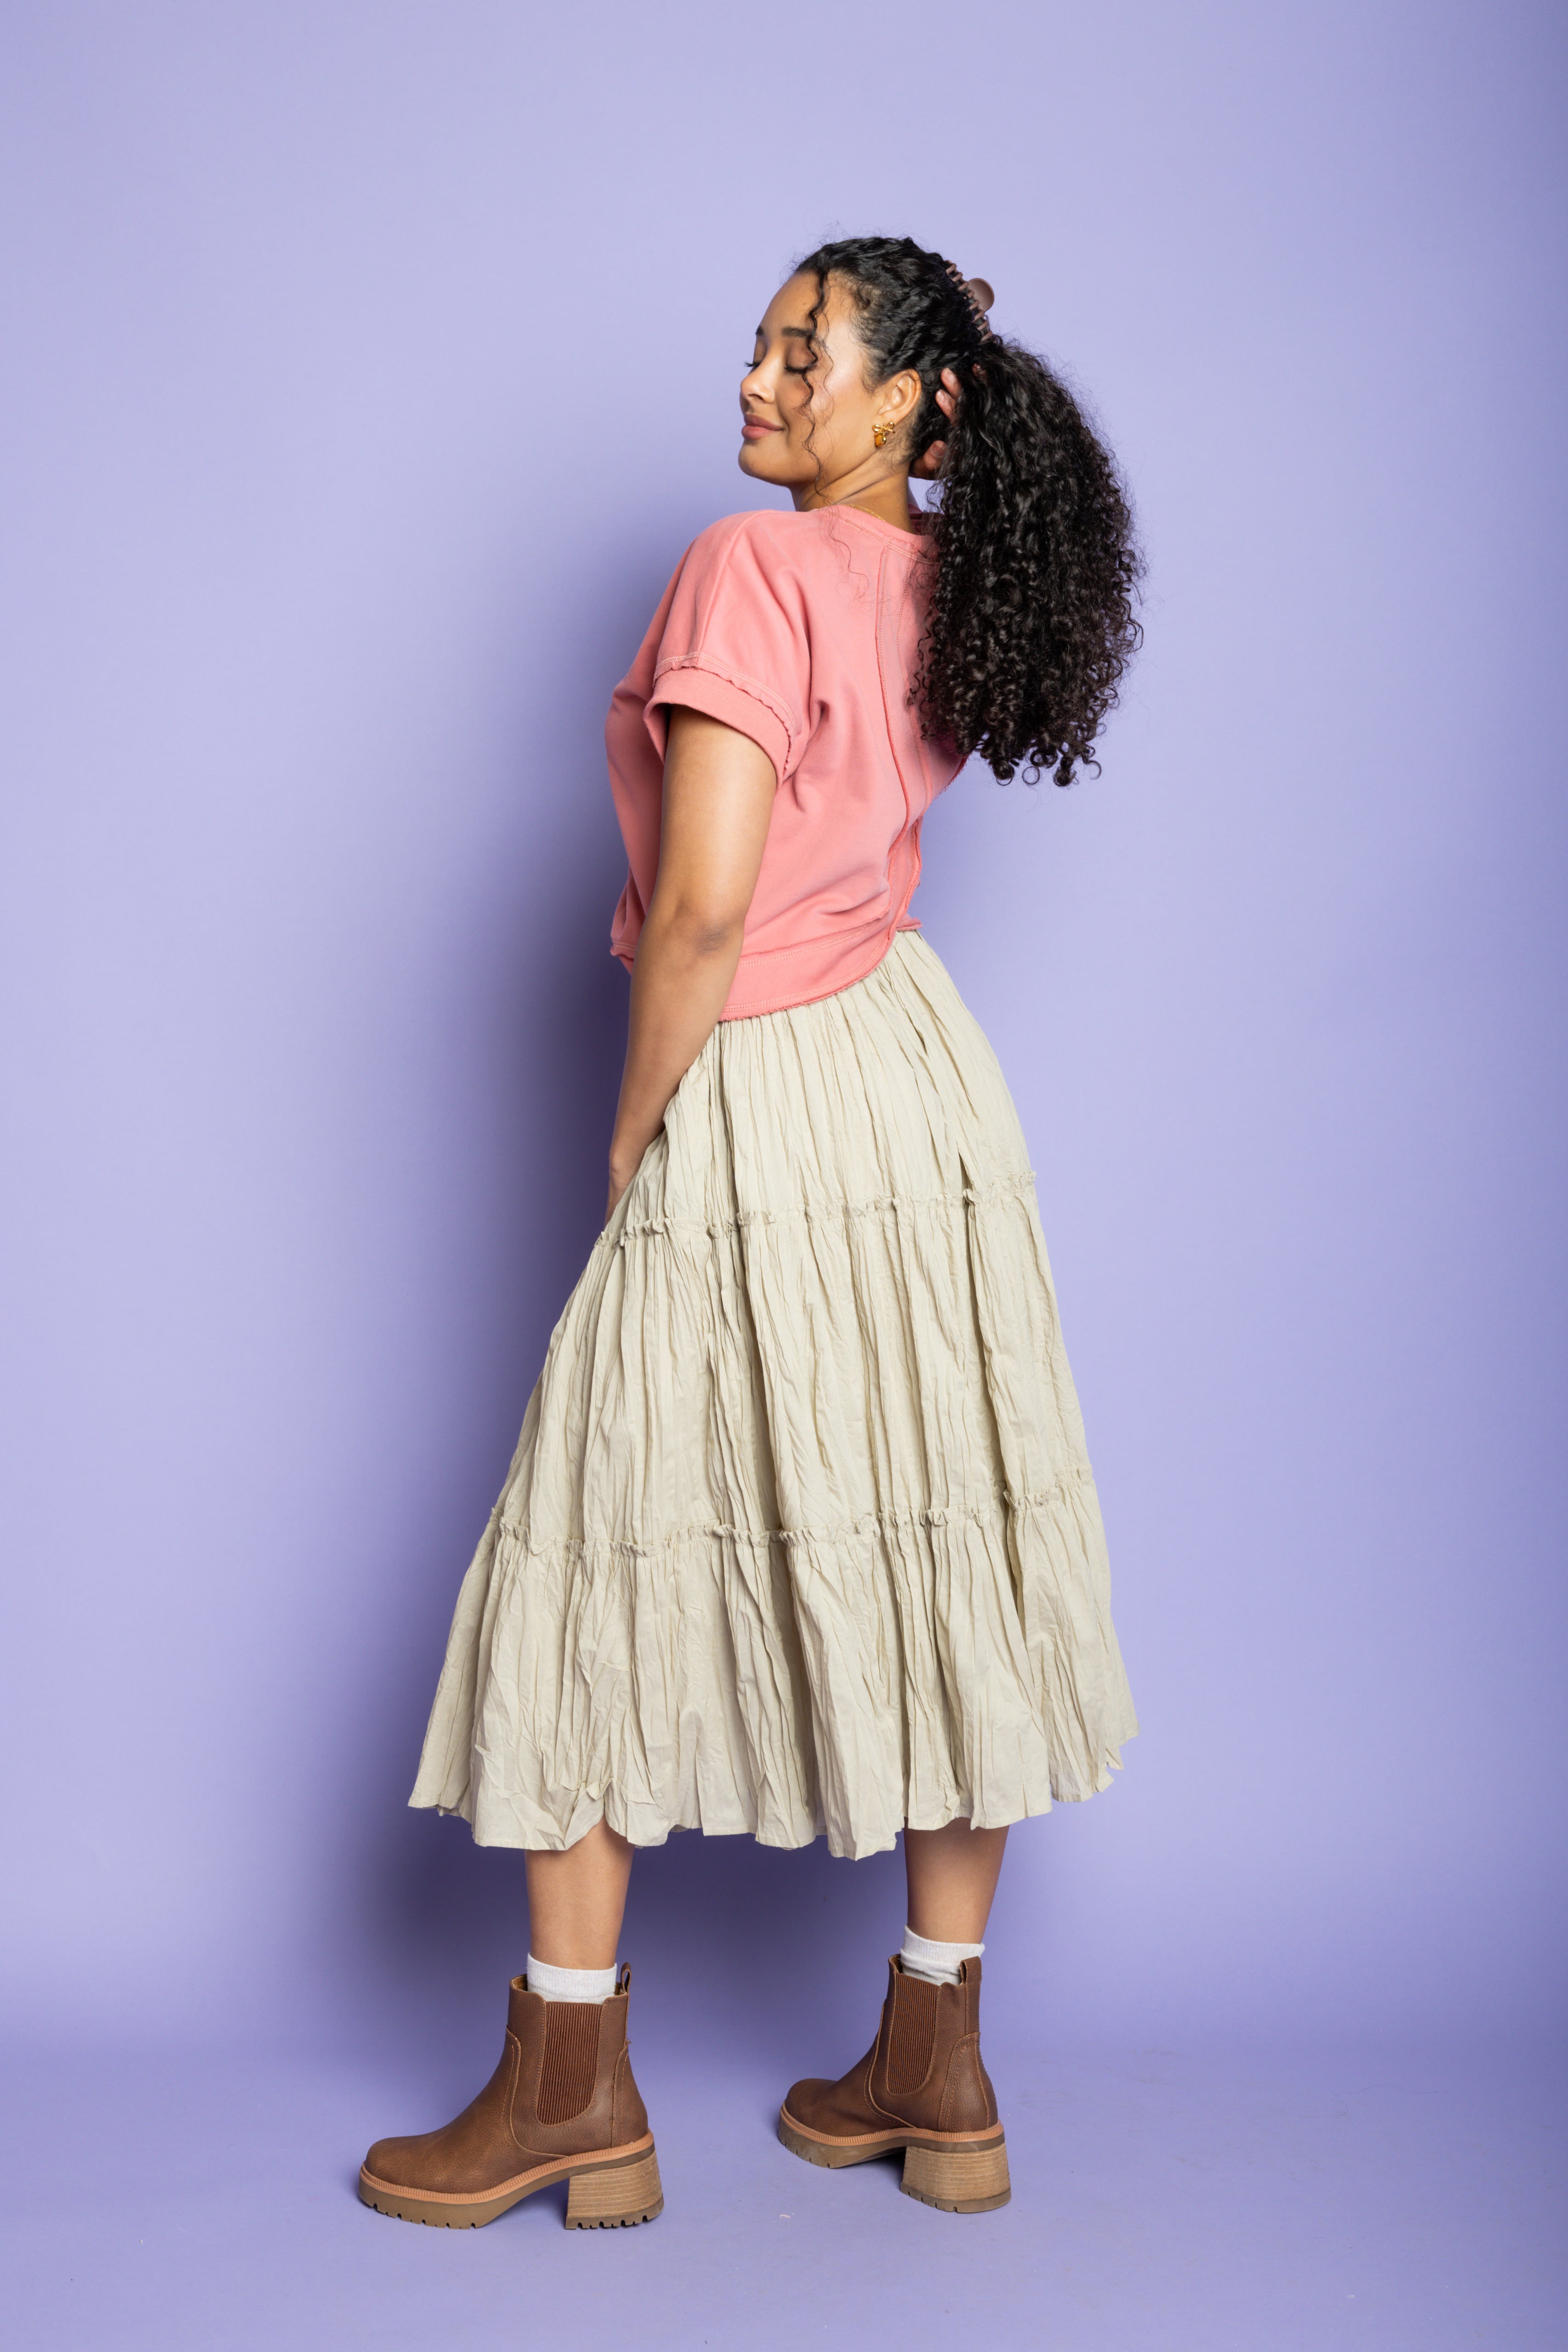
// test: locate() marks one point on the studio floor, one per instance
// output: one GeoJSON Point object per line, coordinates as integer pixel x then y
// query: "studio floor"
{"type": "Point", "coordinates": [1162, 2202]}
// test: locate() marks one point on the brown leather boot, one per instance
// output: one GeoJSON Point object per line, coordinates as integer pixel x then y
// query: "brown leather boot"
{"type": "Point", "coordinates": [921, 2087]}
{"type": "Point", "coordinates": [561, 2105]}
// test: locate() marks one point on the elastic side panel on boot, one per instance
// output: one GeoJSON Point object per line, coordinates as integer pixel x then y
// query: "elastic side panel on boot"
{"type": "Point", "coordinates": [571, 2059]}
{"type": "Point", "coordinates": [913, 2033]}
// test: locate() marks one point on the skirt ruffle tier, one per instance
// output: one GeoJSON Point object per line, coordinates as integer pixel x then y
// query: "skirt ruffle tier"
{"type": "Point", "coordinates": [800, 1535]}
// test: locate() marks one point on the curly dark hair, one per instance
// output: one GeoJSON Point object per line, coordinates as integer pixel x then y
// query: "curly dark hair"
{"type": "Point", "coordinates": [1030, 621]}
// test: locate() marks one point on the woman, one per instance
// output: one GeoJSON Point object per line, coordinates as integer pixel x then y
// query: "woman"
{"type": "Point", "coordinates": [800, 1535]}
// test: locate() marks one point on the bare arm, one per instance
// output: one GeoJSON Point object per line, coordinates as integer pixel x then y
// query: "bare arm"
{"type": "Point", "coordinates": [719, 791]}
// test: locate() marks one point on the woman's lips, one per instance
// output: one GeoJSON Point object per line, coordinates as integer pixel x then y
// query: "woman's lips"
{"type": "Point", "coordinates": [753, 428]}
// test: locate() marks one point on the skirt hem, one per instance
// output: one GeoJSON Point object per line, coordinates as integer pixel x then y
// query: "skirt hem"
{"type": "Point", "coordinates": [859, 1851]}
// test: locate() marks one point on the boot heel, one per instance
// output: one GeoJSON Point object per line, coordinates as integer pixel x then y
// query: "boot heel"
{"type": "Point", "coordinates": [617, 2197]}
{"type": "Point", "coordinates": [960, 2180]}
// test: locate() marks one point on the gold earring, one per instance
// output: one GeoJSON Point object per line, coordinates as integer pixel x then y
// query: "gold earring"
{"type": "Point", "coordinates": [880, 433]}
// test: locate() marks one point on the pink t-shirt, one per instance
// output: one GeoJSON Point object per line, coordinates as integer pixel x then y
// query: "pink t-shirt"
{"type": "Point", "coordinates": [801, 630]}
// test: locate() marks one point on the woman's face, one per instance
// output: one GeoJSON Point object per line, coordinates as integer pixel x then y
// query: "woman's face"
{"type": "Point", "coordinates": [813, 435]}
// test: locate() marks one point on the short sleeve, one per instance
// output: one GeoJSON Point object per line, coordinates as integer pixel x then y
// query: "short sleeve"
{"type": "Point", "coordinates": [735, 644]}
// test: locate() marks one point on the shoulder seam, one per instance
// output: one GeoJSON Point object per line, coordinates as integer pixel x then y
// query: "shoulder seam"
{"type": "Point", "coordinates": [719, 569]}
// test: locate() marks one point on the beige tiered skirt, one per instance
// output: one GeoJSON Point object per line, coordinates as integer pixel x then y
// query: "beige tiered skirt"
{"type": "Point", "coordinates": [800, 1534]}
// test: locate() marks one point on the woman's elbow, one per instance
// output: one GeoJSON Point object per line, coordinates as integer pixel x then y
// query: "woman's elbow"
{"type": "Point", "coordinates": [704, 928]}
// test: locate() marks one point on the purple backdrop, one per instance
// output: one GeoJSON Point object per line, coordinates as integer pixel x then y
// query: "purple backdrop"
{"type": "Point", "coordinates": [369, 366]}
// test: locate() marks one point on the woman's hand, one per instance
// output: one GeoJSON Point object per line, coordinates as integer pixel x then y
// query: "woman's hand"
{"type": "Point", "coordinates": [928, 464]}
{"type": "Point", "coordinates": [719, 790]}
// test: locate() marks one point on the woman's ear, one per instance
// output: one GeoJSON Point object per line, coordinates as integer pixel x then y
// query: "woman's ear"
{"type": "Point", "coordinates": [899, 397]}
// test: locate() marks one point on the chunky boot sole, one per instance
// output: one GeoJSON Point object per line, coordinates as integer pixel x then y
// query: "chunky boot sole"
{"type": "Point", "coordinates": [616, 2198]}
{"type": "Point", "coordinates": [611, 2190]}
{"type": "Point", "coordinates": [974, 2182]}
{"type": "Point", "coordinates": [959, 2172]}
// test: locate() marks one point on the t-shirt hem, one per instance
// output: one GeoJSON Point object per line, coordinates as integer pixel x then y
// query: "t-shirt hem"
{"type": "Point", "coordinates": [832, 982]}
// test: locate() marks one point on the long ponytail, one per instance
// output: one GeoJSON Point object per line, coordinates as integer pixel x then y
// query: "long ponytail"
{"type": "Point", "coordinates": [1030, 621]}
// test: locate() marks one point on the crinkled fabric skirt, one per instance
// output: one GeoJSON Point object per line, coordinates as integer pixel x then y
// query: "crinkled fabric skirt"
{"type": "Point", "coordinates": [800, 1534]}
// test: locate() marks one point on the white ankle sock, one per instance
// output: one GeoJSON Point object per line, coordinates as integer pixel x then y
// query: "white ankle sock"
{"type": "Point", "coordinates": [938, 1963]}
{"type": "Point", "coordinates": [569, 1984]}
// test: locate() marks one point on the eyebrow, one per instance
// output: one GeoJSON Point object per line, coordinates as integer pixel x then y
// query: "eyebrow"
{"type": "Point", "coordinates": [801, 334]}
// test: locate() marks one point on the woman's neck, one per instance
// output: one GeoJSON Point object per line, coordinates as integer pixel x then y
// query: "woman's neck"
{"type": "Point", "coordinates": [885, 496]}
